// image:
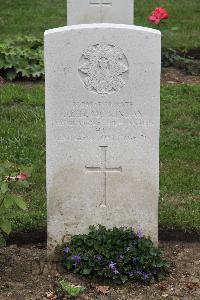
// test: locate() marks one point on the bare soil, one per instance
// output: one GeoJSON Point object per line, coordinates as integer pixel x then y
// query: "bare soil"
{"type": "Point", "coordinates": [25, 275]}
{"type": "Point", "coordinates": [175, 76]}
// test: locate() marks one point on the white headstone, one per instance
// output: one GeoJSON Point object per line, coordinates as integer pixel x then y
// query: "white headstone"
{"type": "Point", "coordinates": [100, 11]}
{"type": "Point", "coordinates": [102, 121]}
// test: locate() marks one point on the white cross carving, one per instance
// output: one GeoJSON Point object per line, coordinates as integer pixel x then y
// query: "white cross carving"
{"type": "Point", "coordinates": [103, 170]}
{"type": "Point", "coordinates": [100, 4]}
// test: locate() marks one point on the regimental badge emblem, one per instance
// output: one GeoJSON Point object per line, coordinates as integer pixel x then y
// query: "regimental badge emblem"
{"type": "Point", "coordinates": [103, 68]}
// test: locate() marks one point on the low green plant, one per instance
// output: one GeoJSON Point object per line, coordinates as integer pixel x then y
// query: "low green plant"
{"type": "Point", "coordinates": [117, 254]}
{"type": "Point", "coordinates": [181, 60]}
{"type": "Point", "coordinates": [70, 289]}
{"type": "Point", "coordinates": [22, 57]}
{"type": "Point", "coordinates": [170, 57]}
{"type": "Point", "coordinates": [10, 198]}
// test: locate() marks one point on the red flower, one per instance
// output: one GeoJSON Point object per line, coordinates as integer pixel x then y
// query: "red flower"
{"type": "Point", "coordinates": [22, 176]}
{"type": "Point", "coordinates": [158, 14]}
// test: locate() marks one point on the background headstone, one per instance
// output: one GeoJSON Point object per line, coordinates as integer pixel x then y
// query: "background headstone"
{"type": "Point", "coordinates": [100, 11]}
{"type": "Point", "coordinates": [102, 121]}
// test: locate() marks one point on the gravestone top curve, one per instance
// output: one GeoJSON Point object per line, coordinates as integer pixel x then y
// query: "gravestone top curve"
{"type": "Point", "coordinates": [103, 25]}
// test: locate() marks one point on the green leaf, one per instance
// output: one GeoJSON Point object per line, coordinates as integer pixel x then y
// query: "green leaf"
{"type": "Point", "coordinates": [153, 251]}
{"type": "Point", "coordinates": [124, 278]}
{"type": "Point", "coordinates": [2, 170]}
{"type": "Point", "coordinates": [5, 226]}
{"type": "Point", "coordinates": [174, 28]}
{"type": "Point", "coordinates": [8, 201]}
{"type": "Point", "coordinates": [70, 289]}
{"type": "Point", "coordinates": [4, 187]}
{"type": "Point", "coordinates": [20, 202]}
{"type": "Point", "coordinates": [7, 165]}
{"type": "Point", "coordinates": [86, 271]}
{"type": "Point", "coordinates": [24, 184]}
{"type": "Point", "coordinates": [2, 60]}
{"type": "Point", "coordinates": [11, 74]}
{"type": "Point", "coordinates": [2, 241]}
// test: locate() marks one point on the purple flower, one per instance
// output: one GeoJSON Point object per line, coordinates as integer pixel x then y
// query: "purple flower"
{"type": "Point", "coordinates": [77, 259]}
{"type": "Point", "coordinates": [113, 268]}
{"type": "Point", "coordinates": [121, 257]}
{"type": "Point", "coordinates": [67, 250]}
{"type": "Point", "coordinates": [138, 272]}
{"type": "Point", "coordinates": [116, 271]}
{"type": "Point", "coordinates": [99, 257]}
{"type": "Point", "coordinates": [112, 265]}
{"type": "Point", "coordinates": [145, 276]}
{"type": "Point", "coordinates": [140, 232]}
{"type": "Point", "coordinates": [134, 260]}
{"type": "Point", "coordinates": [130, 274]}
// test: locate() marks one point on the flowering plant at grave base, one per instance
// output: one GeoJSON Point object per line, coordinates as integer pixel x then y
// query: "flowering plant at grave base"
{"type": "Point", "coordinates": [11, 183]}
{"type": "Point", "coordinates": [117, 254]}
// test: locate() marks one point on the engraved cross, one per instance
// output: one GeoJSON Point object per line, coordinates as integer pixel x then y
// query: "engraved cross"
{"type": "Point", "coordinates": [103, 170]}
{"type": "Point", "coordinates": [100, 2]}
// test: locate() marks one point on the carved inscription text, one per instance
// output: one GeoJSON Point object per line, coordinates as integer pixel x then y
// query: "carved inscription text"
{"type": "Point", "coordinates": [102, 121]}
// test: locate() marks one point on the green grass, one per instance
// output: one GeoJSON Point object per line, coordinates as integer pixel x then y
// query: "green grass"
{"type": "Point", "coordinates": [22, 134]}
{"type": "Point", "coordinates": [25, 17]}
{"type": "Point", "coordinates": [179, 153]}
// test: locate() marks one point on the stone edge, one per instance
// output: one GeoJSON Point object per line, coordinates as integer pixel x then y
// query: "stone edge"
{"type": "Point", "coordinates": [103, 26]}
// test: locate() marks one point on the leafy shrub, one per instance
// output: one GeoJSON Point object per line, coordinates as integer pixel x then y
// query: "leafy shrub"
{"type": "Point", "coordinates": [180, 60]}
{"type": "Point", "coordinates": [116, 254]}
{"type": "Point", "coordinates": [11, 182]}
{"type": "Point", "coordinates": [22, 57]}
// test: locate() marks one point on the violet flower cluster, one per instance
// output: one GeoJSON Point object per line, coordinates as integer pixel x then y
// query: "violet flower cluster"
{"type": "Point", "coordinates": [124, 262]}
{"type": "Point", "coordinates": [113, 268]}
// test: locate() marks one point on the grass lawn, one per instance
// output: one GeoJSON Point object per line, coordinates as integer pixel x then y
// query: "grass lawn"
{"type": "Point", "coordinates": [22, 135]}
{"type": "Point", "coordinates": [25, 17]}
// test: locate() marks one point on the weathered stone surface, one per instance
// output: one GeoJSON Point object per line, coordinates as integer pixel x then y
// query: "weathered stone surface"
{"type": "Point", "coordinates": [100, 11]}
{"type": "Point", "coordinates": [102, 116]}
